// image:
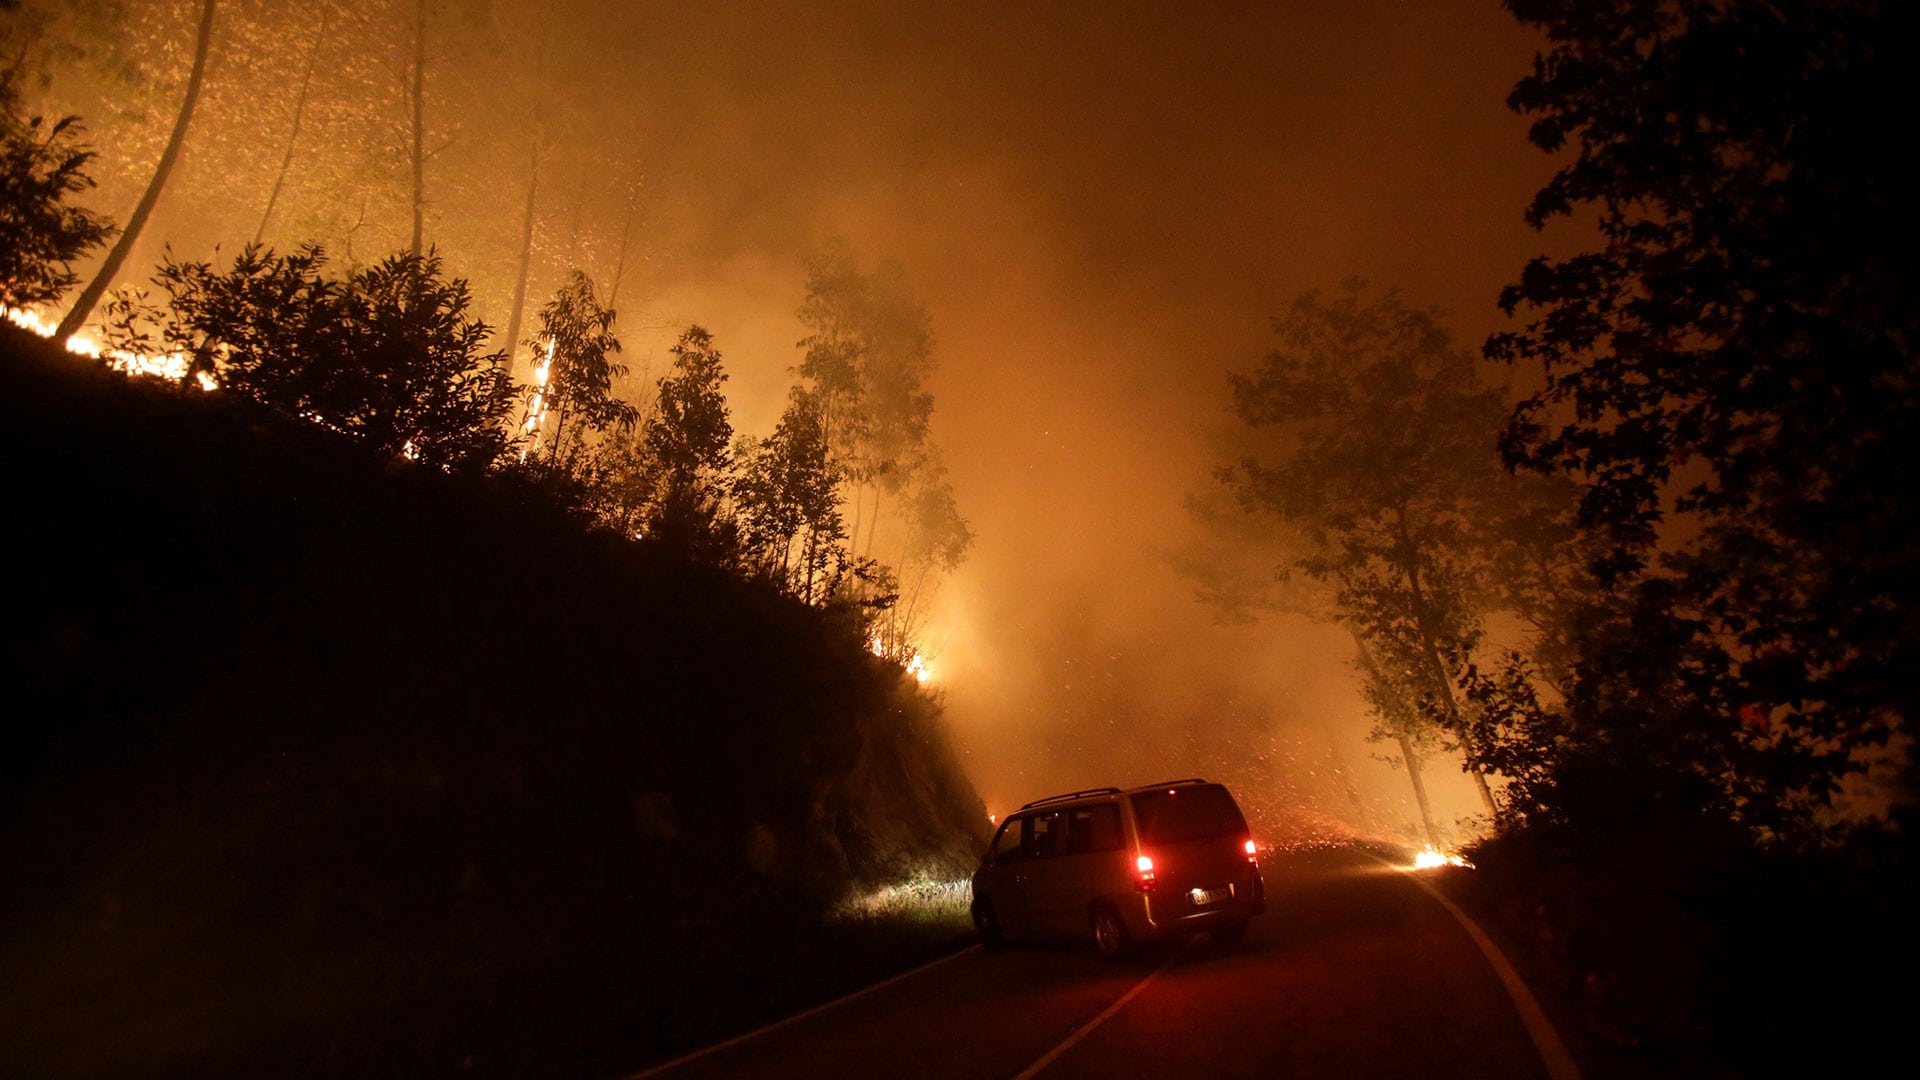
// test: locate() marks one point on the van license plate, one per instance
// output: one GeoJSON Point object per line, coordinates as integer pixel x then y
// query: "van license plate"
{"type": "Point", "coordinates": [1203, 897]}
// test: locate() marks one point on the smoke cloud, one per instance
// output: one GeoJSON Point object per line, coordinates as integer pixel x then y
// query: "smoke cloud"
{"type": "Point", "coordinates": [1101, 204]}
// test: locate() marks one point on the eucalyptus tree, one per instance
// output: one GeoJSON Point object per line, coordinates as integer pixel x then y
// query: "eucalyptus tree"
{"type": "Point", "coordinates": [867, 358]}
{"type": "Point", "coordinates": [1383, 457]}
{"type": "Point", "coordinates": [787, 499]}
{"type": "Point", "coordinates": [83, 305]}
{"type": "Point", "coordinates": [574, 394]}
{"type": "Point", "coordinates": [685, 447]}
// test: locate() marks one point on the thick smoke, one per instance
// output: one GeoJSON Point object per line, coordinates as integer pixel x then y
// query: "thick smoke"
{"type": "Point", "coordinates": [1100, 204]}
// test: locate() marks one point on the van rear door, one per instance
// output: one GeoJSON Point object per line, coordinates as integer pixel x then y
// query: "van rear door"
{"type": "Point", "coordinates": [1196, 837]}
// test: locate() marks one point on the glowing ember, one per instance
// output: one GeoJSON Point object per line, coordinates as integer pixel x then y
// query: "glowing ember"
{"type": "Point", "coordinates": [1431, 858]}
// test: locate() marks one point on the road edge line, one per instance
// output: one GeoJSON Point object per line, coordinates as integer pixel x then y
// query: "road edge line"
{"type": "Point", "coordinates": [667, 1066]}
{"type": "Point", "coordinates": [1546, 1041]}
{"type": "Point", "coordinates": [1104, 1015]}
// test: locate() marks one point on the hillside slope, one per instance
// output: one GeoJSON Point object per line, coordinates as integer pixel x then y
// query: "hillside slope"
{"type": "Point", "coordinates": [333, 763]}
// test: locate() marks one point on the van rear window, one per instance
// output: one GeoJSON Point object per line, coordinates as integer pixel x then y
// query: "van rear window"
{"type": "Point", "coordinates": [1173, 815]}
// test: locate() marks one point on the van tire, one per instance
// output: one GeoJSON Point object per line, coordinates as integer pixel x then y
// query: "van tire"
{"type": "Point", "coordinates": [1109, 933]}
{"type": "Point", "coordinates": [987, 923]}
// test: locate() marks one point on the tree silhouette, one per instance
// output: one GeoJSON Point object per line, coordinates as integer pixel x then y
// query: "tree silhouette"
{"type": "Point", "coordinates": [577, 342]}
{"type": "Point", "coordinates": [388, 353]}
{"type": "Point", "coordinates": [686, 446]}
{"type": "Point", "coordinates": [1731, 379]}
{"type": "Point", "coordinates": [867, 357]}
{"type": "Point", "coordinates": [787, 498]}
{"type": "Point", "coordinates": [41, 165]}
{"type": "Point", "coordinates": [690, 432]}
{"type": "Point", "coordinates": [1384, 457]}
{"type": "Point", "coordinates": [76, 316]}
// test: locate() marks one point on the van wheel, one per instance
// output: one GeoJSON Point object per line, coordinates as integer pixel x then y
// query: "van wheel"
{"type": "Point", "coordinates": [1230, 934]}
{"type": "Point", "coordinates": [988, 925]}
{"type": "Point", "coordinates": [1110, 934]}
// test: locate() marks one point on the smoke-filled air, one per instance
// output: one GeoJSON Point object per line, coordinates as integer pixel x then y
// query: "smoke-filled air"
{"type": "Point", "coordinates": [1095, 211]}
{"type": "Point", "coordinates": [633, 494]}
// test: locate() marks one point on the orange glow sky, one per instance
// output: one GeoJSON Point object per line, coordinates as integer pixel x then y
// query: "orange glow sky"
{"type": "Point", "coordinates": [1101, 204]}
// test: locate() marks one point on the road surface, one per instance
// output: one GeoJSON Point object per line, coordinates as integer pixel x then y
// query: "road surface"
{"type": "Point", "coordinates": [1354, 972]}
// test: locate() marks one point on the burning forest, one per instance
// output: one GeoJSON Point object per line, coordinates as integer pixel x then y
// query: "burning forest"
{"type": "Point", "coordinates": [509, 471]}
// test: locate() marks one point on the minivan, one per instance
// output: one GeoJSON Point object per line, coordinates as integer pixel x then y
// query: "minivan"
{"type": "Point", "coordinates": [1121, 867]}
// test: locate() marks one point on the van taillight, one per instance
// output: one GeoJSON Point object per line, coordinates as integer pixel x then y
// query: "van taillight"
{"type": "Point", "coordinates": [1143, 873]}
{"type": "Point", "coordinates": [1252, 849]}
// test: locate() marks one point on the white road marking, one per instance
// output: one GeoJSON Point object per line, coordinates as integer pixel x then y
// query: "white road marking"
{"type": "Point", "coordinates": [797, 1017]}
{"type": "Point", "coordinates": [1085, 1029]}
{"type": "Point", "coordinates": [1553, 1052]}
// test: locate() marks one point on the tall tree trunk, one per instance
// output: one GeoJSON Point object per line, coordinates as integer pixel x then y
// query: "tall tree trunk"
{"type": "Point", "coordinates": [518, 311]}
{"type": "Point", "coordinates": [620, 263]}
{"type": "Point", "coordinates": [1406, 746]}
{"type": "Point", "coordinates": [1437, 673]}
{"type": "Point", "coordinates": [516, 314]}
{"type": "Point", "coordinates": [859, 512]}
{"type": "Point", "coordinates": [1412, 759]}
{"type": "Point", "coordinates": [83, 307]}
{"type": "Point", "coordinates": [419, 132]}
{"type": "Point", "coordinates": [806, 554]}
{"type": "Point", "coordinates": [873, 524]}
{"type": "Point", "coordinates": [293, 136]}
{"type": "Point", "coordinates": [1347, 783]}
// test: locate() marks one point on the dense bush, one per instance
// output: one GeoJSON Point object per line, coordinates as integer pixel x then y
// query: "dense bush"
{"type": "Point", "coordinates": [388, 352]}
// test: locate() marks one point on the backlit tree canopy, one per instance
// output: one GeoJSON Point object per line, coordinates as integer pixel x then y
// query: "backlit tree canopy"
{"type": "Point", "coordinates": [388, 353]}
{"type": "Point", "coordinates": [42, 164]}
{"type": "Point", "coordinates": [1381, 454]}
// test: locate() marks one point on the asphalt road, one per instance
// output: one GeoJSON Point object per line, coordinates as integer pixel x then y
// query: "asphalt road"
{"type": "Point", "coordinates": [1355, 971]}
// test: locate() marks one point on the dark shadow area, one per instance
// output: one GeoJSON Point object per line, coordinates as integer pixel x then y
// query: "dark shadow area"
{"type": "Point", "coordinates": [1673, 956]}
{"type": "Point", "coordinates": [323, 763]}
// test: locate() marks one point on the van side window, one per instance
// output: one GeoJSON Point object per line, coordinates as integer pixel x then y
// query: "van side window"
{"type": "Point", "coordinates": [1010, 845]}
{"type": "Point", "coordinates": [1094, 828]}
{"type": "Point", "coordinates": [1049, 835]}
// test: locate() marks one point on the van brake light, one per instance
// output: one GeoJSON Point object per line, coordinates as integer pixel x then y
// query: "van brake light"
{"type": "Point", "coordinates": [1143, 873]}
{"type": "Point", "coordinates": [1252, 849]}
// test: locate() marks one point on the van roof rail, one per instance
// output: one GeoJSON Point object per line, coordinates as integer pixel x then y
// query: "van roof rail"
{"type": "Point", "coordinates": [1175, 783]}
{"type": "Point", "coordinates": [1072, 795]}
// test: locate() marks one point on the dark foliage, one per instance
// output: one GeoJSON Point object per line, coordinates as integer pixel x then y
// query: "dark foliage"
{"type": "Point", "coordinates": [788, 502]}
{"type": "Point", "coordinates": [1696, 956]}
{"type": "Point", "coordinates": [388, 353]}
{"type": "Point", "coordinates": [577, 340]}
{"type": "Point", "coordinates": [271, 791]}
{"type": "Point", "coordinates": [42, 165]}
{"type": "Point", "coordinates": [691, 433]}
{"type": "Point", "coordinates": [1732, 378]}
